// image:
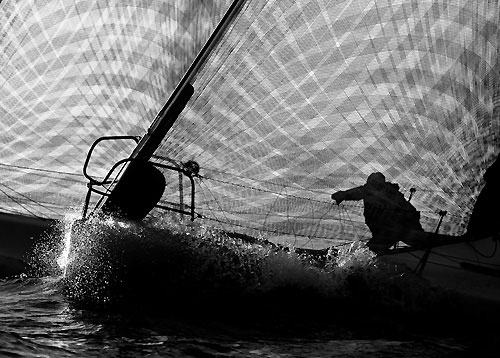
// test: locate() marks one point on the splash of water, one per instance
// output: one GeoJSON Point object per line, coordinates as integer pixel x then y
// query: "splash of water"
{"type": "Point", "coordinates": [63, 259]}
{"type": "Point", "coordinates": [165, 262]}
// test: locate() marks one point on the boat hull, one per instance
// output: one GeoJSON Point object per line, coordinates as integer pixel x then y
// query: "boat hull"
{"type": "Point", "coordinates": [470, 267]}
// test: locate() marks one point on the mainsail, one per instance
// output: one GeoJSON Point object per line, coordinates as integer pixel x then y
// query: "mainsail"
{"type": "Point", "coordinates": [295, 100]}
{"type": "Point", "coordinates": [305, 97]}
{"type": "Point", "coordinates": [73, 71]}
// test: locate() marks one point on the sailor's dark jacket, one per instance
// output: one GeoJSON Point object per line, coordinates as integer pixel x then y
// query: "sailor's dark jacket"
{"type": "Point", "coordinates": [385, 208]}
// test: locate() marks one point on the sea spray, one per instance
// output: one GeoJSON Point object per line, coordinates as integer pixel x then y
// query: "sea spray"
{"type": "Point", "coordinates": [63, 258]}
{"type": "Point", "coordinates": [45, 257]}
{"type": "Point", "coordinates": [172, 266]}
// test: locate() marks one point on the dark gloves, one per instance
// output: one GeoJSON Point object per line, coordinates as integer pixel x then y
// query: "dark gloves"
{"type": "Point", "coordinates": [338, 197]}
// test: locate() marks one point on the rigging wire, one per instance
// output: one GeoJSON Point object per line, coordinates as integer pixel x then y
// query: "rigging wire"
{"type": "Point", "coordinates": [260, 189]}
{"type": "Point", "coordinates": [278, 195]}
{"type": "Point", "coordinates": [344, 214]}
{"type": "Point", "coordinates": [298, 187]}
{"type": "Point", "coordinates": [19, 203]}
{"type": "Point", "coordinates": [344, 217]}
{"type": "Point", "coordinates": [341, 221]}
{"type": "Point", "coordinates": [344, 209]}
{"type": "Point", "coordinates": [27, 198]}
{"type": "Point", "coordinates": [4, 210]}
{"type": "Point", "coordinates": [215, 199]}
{"type": "Point", "coordinates": [352, 224]}
{"type": "Point", "coordinates": [288, 219]}
{"type": "Point", "coordinates": [454, 215]}
{"type": "Point", "coordinates": [41, 170]}
{"type": "Point", "coordinates": [321, 219]}
{"type": "Point", "coordinates": [264, 227]}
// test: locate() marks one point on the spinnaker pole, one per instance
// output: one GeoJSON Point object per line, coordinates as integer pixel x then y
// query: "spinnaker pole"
{"type": "Point", "coordinates": [179, 98]}
{"type": "Point", "coordinates": [140, 176]}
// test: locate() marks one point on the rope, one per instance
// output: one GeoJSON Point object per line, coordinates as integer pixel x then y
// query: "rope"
{"type": "Point", "coordinates": [28, 199]}
{"type": "Point", "coordinates": [269, 182]}
{"type": "Point", "coordinates": [215, 199]}
{"type": "Point", "coordinates": [44, 171]}
{"type": "Point", "coordinates": [284, 187]}
{"type": "Point", "coordinates": [285, 216]}
{"type": "Point", "coordinates": [264, 190]}
{"type": "Point", "coordinates": [288, 219]}
{"type": "Point", "coordinates": [18, 203]}
{"type": "Point", "coordinates": [345, 217]}
{"type": "Point", "coordinates": [321, 219]}
{"type": "Point", "coordinates": [274, 202]}
{"type": "Point", "coordinates": [341, 221]}
{"type": "Point", "coordinates": [266, 216]}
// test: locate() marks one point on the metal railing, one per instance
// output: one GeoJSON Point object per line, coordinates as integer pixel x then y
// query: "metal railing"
{"type": "Point", "coordinates": [105, 186]}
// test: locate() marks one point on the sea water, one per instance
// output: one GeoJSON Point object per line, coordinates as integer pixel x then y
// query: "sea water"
{"type": "Point", "coordinates": [170, 289]}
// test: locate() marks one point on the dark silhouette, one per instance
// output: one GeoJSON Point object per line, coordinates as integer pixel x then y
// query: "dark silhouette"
{"type": "Point", "coordinates": [137, 193]}
{"type": "Point", "coordinates": [485, 217]}
{"type": "Point", "coordinates": [388, 215]}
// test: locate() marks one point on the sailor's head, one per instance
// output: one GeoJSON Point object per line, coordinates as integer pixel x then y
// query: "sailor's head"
{"type": "Point", "coordinates": [375, 179]}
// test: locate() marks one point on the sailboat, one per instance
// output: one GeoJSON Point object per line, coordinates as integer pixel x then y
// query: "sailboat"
{"type": "Point", "coordinates": [280, 103]}
{"type": "Point", "coordinates": [282, 179]}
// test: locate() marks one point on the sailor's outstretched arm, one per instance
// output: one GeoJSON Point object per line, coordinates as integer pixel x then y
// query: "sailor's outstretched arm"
{"type": "Point", "coordinates": [357, 193]}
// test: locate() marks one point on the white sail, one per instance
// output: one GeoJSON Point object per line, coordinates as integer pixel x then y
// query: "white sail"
{"type": "Point", "coordinates": [302, 98]}
{"type": "Point", "coordinates": [73, 71]}
{"type": "Point", "coordinates": [299, 98]}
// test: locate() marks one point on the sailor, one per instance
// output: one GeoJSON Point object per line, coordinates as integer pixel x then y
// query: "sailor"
{"type": "Point", "coordinates": [485, 220]}
{"type": "Point", "coordinates": [388, 215]}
